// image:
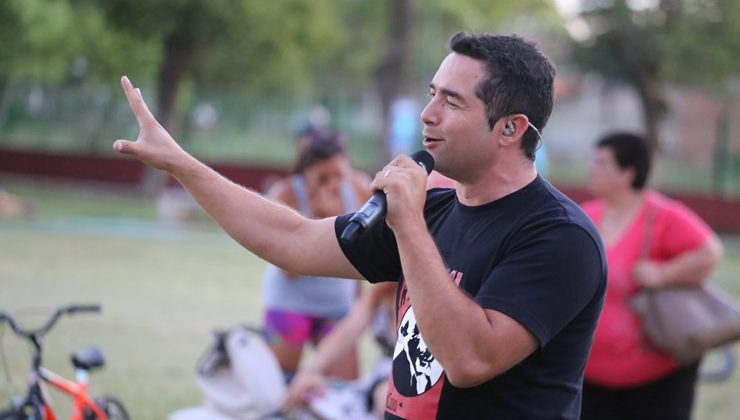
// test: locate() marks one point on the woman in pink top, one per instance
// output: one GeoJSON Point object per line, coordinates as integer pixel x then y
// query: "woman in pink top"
{"type": "Point", "coordinates": [625, 378]}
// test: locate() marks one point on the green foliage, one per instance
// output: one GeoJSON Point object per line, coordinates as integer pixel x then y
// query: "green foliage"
{"type": "Point", "coordinates": [281, 47]}
{"type": "Point", "coordinates": [43, 39]}
{"type": "Point", "coordinates": [686, 41]}
{"type": "Point", "coordinates": [701, 45]}
{"type": "Point", "coordinates": [275, 46]}
{"type": "Point", "coordinates": [10, 30]}
{"type": "Point", "coordinates": [286, 47]}
{"type": "Point", "coordinates": [111, 53]}
{"type": "Point", "coordinates": [38, 39]}
{"type": "Point", "coordinates": [439, 19]}
{"type": "Point", "coordinates": [260, 64]}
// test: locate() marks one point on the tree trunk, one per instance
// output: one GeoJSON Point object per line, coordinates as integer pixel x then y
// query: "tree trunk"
{"type": "Point", "coordinates": [9, 91]}
{"type": "Point", "coordinates": [392, 74]}
{"type": "Point", "coordinates": [178, 59]}
{"type": "Point", "coordinates": [642, 67]}
{"type": "Point", "coordinates": [653, 109]}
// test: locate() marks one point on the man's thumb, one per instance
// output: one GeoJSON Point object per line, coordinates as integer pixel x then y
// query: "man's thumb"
{"type": "Point", "coordinates": [124, 146]}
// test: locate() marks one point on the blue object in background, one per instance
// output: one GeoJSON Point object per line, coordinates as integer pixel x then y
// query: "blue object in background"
{"type": "Point", "coordinates": [403, 126]}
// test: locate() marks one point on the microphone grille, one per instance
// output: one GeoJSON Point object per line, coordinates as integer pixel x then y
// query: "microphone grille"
{"type": "Point", "coordinates": [425, 159]}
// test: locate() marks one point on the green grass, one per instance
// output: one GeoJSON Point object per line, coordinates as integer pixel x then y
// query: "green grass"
{"type": "Point", "coordinates": [51, 200]}
{"type": "Point", "coordinates": [161, 299]}
{"type": "Point", "coordinates": [163, 291]}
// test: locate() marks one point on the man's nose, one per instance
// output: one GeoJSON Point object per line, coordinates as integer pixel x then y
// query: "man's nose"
{"type": "Point", "coordinates": [430, 114]}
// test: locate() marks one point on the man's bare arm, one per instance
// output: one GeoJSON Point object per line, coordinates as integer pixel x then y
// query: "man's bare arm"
{"type": "Point", "coordinates": [474, 344]}
{"type": "Point", "coordinates": [272, 231]}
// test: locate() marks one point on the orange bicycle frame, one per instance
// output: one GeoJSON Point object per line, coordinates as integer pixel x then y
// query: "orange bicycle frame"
{"type": "Point", "coordinates": [77, 390]}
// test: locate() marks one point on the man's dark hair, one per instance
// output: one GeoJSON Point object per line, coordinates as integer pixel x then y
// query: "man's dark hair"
{"type": "Point", "coordinates": [631, 151]}
{"type": "Point", "coordinates": [320, 145]}
{"type": "Point", "coordinates": [520, 80]}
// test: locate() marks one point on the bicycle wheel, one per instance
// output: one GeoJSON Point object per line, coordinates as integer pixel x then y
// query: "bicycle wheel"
{"type": "Point", "coordinates": [27, 412]}
{"type": "Point", "coordinates": [32, 412]}
{"type": "Point", "coordinates": [9, 414]}
{"type": "Point", "coordinates": [113, 408]}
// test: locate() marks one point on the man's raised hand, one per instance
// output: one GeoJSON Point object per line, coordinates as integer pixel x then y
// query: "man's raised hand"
{"type": "Point", "coordinates": [154, 145]}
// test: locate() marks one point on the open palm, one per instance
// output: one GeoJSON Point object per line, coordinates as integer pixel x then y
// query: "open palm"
{"type": "Point", "coordinates": [154, 145]}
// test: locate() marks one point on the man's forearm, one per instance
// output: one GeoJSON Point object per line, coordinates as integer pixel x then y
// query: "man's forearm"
{"type": "Point", "coordinates": [270, 230]}
{"type": "Point", "coordinates": [246, 216]}
{"type": "Point", "coordinates": [454, 327]}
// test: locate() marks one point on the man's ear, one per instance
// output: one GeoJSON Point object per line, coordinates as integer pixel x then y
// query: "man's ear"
{"type": "Point", "coordinates": [512, 128]}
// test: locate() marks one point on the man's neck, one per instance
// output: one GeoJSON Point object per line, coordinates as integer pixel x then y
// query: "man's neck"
{"type": "Point", "coordinates": [498, 182]}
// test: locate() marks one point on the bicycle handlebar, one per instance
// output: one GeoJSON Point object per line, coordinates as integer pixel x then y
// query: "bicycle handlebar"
{"type": "Point", "coordinates": [63, 310]}
{"type": "Point", "coordinates": [93, 307]}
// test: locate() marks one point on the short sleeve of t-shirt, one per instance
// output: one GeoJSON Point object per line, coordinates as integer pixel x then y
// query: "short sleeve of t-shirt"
{"type": "Point", "coordinates": [677, 229]}
{"type": "Point", "coordinates": [546, 279]}
{"type": "Point", "coordinates": [374, 253]}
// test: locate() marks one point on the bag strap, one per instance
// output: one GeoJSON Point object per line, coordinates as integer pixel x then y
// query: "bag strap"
{"type": "Point", "coordinates": [647, 232]}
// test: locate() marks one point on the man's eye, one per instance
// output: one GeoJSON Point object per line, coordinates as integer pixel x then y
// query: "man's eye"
{"type": "Point", "coordinates": [431, 94]}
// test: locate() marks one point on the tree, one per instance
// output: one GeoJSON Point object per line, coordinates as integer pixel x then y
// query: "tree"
{"type": "Point", "coordinates": [416, 34]}
{"type": "Point", "coordinates": [688, 41]}
{"type": "Point", "coordinates": [224, 41]}
{"type": "Point", "coordinates": [48, 43]}
{"type": "Point", "coordinates": [30, 32]}
{"type": "Point", "coordinates": [320, 44]}
{"type": "Point", "coordinates": [277, 49]}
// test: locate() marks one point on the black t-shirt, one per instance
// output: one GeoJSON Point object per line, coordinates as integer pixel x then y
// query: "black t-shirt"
{"type": "Point", "coordinates": [532, 255]}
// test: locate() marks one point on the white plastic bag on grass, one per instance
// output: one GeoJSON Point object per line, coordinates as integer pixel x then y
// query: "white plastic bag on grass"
{"type": "Point", "coordinates": [239, 377]}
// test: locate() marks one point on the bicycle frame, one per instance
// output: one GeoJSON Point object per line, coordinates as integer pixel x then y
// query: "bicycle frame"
{"type": "Point", "coordinates": [77, 390]}
{"type": "Point", "coordinates": [82, 403]}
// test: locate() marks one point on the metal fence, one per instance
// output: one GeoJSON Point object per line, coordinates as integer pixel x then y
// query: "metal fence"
{"type": "Point", "coordinates": [701, 148]}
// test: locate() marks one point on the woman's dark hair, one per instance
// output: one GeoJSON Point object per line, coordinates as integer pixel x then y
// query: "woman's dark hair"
{"type": "Point", "coordinates": [631, 151]}
{"type": "Point", "coordinates": [319, 146]}
{"type": "Point", "coordinates": [519, 80]}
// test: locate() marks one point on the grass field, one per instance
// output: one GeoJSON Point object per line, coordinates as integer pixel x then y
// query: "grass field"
{"type": "Point", "coordinates": [163, 291]}
{"type": "Point", "coordinates": [161, 299]}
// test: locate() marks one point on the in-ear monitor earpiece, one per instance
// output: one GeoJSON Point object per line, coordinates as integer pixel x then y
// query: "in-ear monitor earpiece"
{"type": "Point", "coordinates": [509, 129]}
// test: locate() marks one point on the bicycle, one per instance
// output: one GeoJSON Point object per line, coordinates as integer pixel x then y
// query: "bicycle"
{"type": "Point", "coordinates": [35, 405]}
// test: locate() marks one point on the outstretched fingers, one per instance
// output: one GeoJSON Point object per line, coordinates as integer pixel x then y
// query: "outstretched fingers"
{"type": "Point", "coordinates": [136, 102]}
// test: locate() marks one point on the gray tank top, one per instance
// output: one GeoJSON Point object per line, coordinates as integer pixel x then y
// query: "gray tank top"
{"type": "Point", "coordinates": [324, 297]}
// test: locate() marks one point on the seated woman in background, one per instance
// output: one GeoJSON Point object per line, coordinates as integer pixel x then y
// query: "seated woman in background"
{"type": "Point", "coordinates": [304, 309]}
{"type": "Point", "coordinates": [373, 309]}
{"type": "Point", "coordinates": [651, 241]}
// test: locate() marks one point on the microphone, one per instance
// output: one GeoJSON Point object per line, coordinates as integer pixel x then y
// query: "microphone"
{"type": "Point", "coordinates": [374, 209]}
